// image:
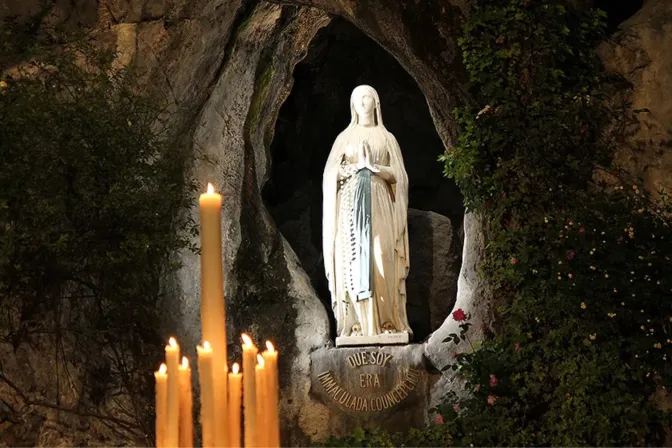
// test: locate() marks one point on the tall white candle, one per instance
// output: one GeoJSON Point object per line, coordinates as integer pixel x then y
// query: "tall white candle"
{"type": "Point", "coordinates": [186, 406]}
{"type": "Point", "coordinates": [207, 396]}
{"type": "Point", "coordinates": [272, 387]}
{"type": "Point", "coordinates": [161, 402]}
{"type": "Point", "coordinates": [173, 396]}
{"type": "Point", "coordinates": [213, 313]}
{"type": "Point", "coordinates": [235, 390]}
{"type": "Point", "coordinates": [262, 428]}
{"type": "Point", "coordinates": [249, 391]}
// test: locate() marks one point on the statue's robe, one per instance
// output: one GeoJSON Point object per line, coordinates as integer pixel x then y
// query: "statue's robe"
{"type": "Point", "coordinates": [375, 297]}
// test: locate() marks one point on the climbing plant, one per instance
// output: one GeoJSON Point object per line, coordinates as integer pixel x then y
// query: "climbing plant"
{"type": "Point", "coordinates": [93, 208]}
{"type": "Point", "coordinates": [579, 253]}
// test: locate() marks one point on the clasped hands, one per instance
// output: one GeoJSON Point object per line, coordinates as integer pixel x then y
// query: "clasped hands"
{"type": "Point", "coordinates": [364, 158]}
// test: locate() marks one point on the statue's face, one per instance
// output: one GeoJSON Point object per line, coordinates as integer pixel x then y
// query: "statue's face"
{"type": "Point", "coordinates": [363, 101]}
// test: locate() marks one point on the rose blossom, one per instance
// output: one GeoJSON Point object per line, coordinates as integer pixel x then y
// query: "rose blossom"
{"type": "Point", "coordinates": [438, 418]}
{"type": "Point", "coordinates": [459, 315]}
{"type": "Point", "coordinates": [493, 380]}
{"type": "Point", "coordinates": [491, 399]}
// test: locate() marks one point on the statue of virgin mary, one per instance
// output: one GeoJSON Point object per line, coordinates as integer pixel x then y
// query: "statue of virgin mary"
{"type": "Point", "coordinates": [365, 238]}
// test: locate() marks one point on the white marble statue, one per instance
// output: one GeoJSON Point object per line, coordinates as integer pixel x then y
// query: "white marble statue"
{"type": "Point", "coordinates": [365, 238]}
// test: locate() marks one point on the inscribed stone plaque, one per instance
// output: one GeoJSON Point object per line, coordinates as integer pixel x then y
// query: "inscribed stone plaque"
{"type": "Point", "coordinates": [372, 386]}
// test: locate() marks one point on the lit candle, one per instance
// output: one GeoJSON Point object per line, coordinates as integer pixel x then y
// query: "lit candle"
{"type": "Point", "coordinates": [272, 387]}
{"type": "Point", "coordinates": [249, 391]}
{"type": "Point", "coordinates": [161, 402]}
{"type": "Point", "coordinates": [213, 314]}
{"type": "Point", "coordinates": [235, 385]}
{"type": "Point", "coordinates": [186, 406]}
{"type": "Point", "coordinates": [173, 407]}
{"type": "Point", "coordinates": [220, 403]}
{"type": "Point", "coordinates": [207, 389]}
{"type": "Point", "coordinates": [260, 387]}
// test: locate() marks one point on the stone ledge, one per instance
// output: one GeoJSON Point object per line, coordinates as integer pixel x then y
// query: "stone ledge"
{"type": "Point", "coordinates": [379, 339]}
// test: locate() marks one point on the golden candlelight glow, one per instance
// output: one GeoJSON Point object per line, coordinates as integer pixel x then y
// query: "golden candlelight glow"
{"type": "Point", "coordinates": [222, 401]}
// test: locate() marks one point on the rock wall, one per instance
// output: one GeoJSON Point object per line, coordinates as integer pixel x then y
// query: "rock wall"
{"type": "Point", "coordinates": [640, 51]}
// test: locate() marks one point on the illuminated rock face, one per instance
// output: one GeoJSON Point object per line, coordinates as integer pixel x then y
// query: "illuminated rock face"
{"type": "Point", "coordinates": [639, 52]}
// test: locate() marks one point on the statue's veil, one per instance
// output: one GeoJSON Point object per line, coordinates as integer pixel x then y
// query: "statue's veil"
{"type": "Point", "coordinates": [400, 189]}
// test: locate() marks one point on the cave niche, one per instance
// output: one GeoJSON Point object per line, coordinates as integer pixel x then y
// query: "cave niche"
{"type": "Point", "coordinates": [339, 58]}
{"type": "Point", "coordinates": [618, 11]}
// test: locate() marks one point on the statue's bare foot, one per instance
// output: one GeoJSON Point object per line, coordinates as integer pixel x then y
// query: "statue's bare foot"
{"type": "Point", "coordinates": [388, 328]}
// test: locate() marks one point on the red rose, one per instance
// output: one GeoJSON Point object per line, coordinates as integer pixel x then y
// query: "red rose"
{"type": "Point", "coordinates": [514, 260]}
{"type": "Point", "coordinates": [581, 230]}
{"type": "Point", "coordinates": [438, 418]}
{"type": "Point", "coordinates": [459, 315]}
{"type": "Point", "coordinates": [493, 380]}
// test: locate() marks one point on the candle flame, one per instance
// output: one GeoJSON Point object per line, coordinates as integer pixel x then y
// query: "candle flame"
{"type": "Point", "coordinates": [163, 369]}
{"type": "Point", "coordinates": [172, 342]}
{"type": "Point", "coordinates": [206, 345]}
{"type": "Point", "coordinates": [246, 339]}
{"type": "Point", "coordinates": [185, 362]}
{"type": "Point", "coordinates": [269, 347]}
{"type": "Point", "coordinates": [211, 189]}
{"type": "Point", "coordinates": [236, 368]}
{"type": "Point", "coordinates": [260, 360]}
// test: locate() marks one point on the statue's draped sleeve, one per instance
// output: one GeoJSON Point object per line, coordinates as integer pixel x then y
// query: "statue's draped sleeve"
{"type": "Point", "coordinates": [400, 189]}
{"type": "Point", "coordinates": [329, 209]}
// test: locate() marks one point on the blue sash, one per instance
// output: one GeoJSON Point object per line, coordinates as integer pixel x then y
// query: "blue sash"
{"type": "Point", "coordinates": [363, 243]}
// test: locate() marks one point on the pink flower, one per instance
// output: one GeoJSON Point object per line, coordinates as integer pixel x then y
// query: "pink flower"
{"type": "Point", "coordinates": [438, 419]}
{"type": "Point", "coordinates": [581, 230]}
{"type": "Point", "coordinates": [491, 400]}
{"type": "Point", "coordinates": [514, 260]}
{"type": "Point", "coordinates": [493, 380]}
{"type": "Point", "coordinates": [516, 346]}
{"type": "Point", "coordinates": [456, 407]}
{"type": "Point", "coordinates": [570, 255]}
{"type": "Point", "coordinates": [459, 315]}
{"type": "Point", "coordinates": [477, 388]}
